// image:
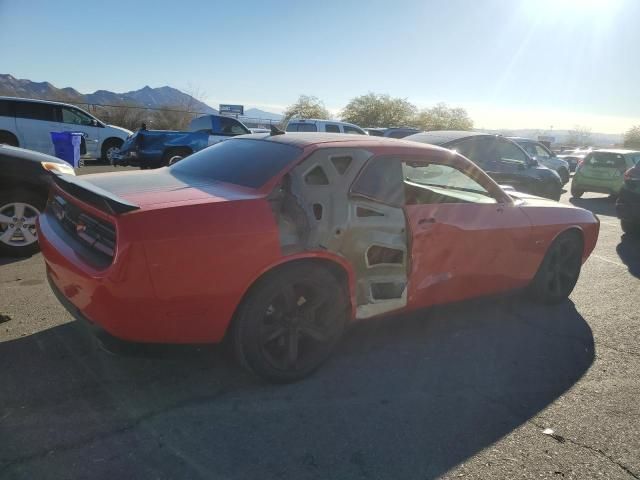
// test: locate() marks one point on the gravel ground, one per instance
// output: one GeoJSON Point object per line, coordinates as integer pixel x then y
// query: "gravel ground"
{"type": "Point", "coordinates": [462, 391]}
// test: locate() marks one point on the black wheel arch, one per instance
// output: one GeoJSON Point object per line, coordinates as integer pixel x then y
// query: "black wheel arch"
{"type": "Point", "coordinates": [9, 135]}
{"type": "Point", "coordinates": [333, 267]}
{"type": "Point", "coordinates": [37, 188]}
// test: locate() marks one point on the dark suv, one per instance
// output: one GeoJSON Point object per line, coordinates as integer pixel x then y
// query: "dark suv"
{"type": "Point", "coordinates": [504, 160]}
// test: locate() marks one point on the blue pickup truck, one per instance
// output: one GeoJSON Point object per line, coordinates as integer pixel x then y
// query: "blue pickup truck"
{"type": "Point", "coordinates": [158, 148]}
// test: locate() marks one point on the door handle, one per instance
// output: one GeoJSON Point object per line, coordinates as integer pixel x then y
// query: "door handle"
{"type": "Point", "coordinates": [426, 221]}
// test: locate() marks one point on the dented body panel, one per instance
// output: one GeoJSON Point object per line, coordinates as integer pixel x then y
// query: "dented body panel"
{"type": "Point", "coordinates": [187, 257]}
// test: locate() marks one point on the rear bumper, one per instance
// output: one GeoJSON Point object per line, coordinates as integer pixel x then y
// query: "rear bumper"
{"type": "Point", "coordinates": [119, 299]}
{"type": "Point", "coordinates": [125, 159]}
{"type": "Point", "coordinates": [588, 184]}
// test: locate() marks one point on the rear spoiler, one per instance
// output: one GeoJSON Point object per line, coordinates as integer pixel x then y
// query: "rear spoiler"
{"type": "Point", "coordinates": [93, 195]}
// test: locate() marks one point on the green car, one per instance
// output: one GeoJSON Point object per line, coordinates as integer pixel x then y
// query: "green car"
{"type": "Point", "coordinates": [602, 171]}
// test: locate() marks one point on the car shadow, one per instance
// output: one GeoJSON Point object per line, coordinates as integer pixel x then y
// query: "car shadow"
{"type": "Point", "coordinates": [629, 252]}
{"type": "Point", "coordinates": [8, 260]}
{"type": "Point", "coordinates": [409, 396]}
{"type": "Point", "coordinates": [599, 206]}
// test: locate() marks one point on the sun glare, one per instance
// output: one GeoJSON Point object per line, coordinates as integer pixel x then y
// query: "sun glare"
{"type": "Point", "coordinates": [573, 8]}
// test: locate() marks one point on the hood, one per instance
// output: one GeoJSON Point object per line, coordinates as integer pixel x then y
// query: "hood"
{"type": "Point", "coordinates": [124, 131]}
{"type": "Point", "coordinates": [162, 187]}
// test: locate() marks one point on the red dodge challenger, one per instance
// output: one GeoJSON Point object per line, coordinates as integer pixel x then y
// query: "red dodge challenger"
{"type": "Point", "coordinates": [278, 241]}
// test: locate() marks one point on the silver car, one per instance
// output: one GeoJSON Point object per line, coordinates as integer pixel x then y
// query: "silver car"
{"type": "Point", "coordinates": [546, 157]}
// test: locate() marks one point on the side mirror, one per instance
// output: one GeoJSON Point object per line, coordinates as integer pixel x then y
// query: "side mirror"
{"type": "Point", "coordinates": [94, 122]}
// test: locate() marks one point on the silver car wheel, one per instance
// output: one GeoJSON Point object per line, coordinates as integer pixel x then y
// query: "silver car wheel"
{"type": "Point", "coordinates": [110, 153]}
{"type": "Point", "coordinates": [18, 224]}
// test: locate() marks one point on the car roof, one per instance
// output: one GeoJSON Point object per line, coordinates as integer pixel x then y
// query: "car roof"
{"type": "Point", "coordinates": [306, 139]}
{"type": "Point", "coordinates": [36, 100]}
{"type": "Point", "coordinates": [442, 137]}
{"type": "Point", "coordinates": [523, 139]}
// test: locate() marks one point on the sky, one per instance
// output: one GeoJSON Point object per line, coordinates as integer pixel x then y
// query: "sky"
{"type": "Point", "coordinates": [512, 64]}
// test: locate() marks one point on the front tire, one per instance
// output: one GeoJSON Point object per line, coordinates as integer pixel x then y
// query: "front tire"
{"type": "Point", "coordinates": [559, 270]}
{"type": "Point", "coordinates": [565, 176]}
{"type": "Point", "coordinates": [19, 210]}
{"type": "Point", "coordinates": [111, 147]}
{"type": "Point", "coordinates": [290, 322]}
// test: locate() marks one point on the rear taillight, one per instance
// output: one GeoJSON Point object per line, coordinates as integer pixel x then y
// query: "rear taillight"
{"type": "Point", "coordinates": [92, 232]}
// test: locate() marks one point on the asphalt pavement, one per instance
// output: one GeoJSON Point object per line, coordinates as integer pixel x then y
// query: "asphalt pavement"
{"type": "Point", "coordinates": [489, 389]}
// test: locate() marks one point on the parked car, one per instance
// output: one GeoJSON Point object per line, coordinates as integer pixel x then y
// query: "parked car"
{"type": "Point", "coordinates": [393, 132]}
{"type": "Point", "coordinates": [28, 124]}
{"type": "Point", "coordinates": [328, 126]}
{"type": "Point", "coordinates": [504, 160]}
{"type": "Point", "coordinates": [25, 178]}
{"type": "Point", "coordinates": [280, 240]}
{"type": "Point", "coordinates": [603, 171]}
{"type": "Point", "coordinates": [546, 157]}
{"type": "Point", "coordinates": [628, 203]}
{"type": "Point", "coordinates": [574, 156]}
{"type": "Point", "coordinates": [159, 148]}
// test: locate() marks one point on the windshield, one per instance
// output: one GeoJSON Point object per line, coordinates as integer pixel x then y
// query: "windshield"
{"type": "Point", "coordinates": [246, 162]}
{"type": "Point", "coordinates": [443, 177]}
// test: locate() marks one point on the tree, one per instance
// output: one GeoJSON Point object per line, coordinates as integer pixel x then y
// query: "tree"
{"type": "Point", "coordinates": [172, 117]}
{"type": "Point", "coordinates": [129, 115]}
{"type": "Point", "coordinates": [307, 106]}
{"type": "Point", "coordinates": [632, 137]}
{"type": "Point", "coordinates": [376, 110]}
{"type": "Point", "coordinates": [579, 136]}
{"type": "Point", "coordinates": [442, 117]}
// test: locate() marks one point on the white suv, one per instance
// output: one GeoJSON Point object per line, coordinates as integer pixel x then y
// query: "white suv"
{"type": "Point", "coordinates": [327, 126]}
{"type": "Point", "coordinates": [28, 124]}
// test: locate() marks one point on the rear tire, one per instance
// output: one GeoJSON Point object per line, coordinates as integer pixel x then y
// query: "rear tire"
{"type": "Point", "coordinates": [173, 155]}
{"type": "Point", "coordinates": [289, 323]}
{"type": "Point", "coordinates": [19, 209]}
{"type": "Point", "coordinates": [575, 192]}
{"type": "Point", "coordinates": [559, 270]}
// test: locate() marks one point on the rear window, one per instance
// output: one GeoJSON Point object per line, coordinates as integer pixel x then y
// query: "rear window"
{"type": "Point", "coordinates": [302, 127]}
{"type": "Point", "coordinates": [604, 159]}
{"type": "Point", "coordinates": [250, 163]}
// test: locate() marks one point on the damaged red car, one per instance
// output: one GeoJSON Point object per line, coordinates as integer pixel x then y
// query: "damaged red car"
{"type": "Point", "coordinates": [278, 241]}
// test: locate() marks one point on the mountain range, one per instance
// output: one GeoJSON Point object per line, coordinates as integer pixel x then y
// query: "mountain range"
{"type": "Point", "coordinates": [146, 96]}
